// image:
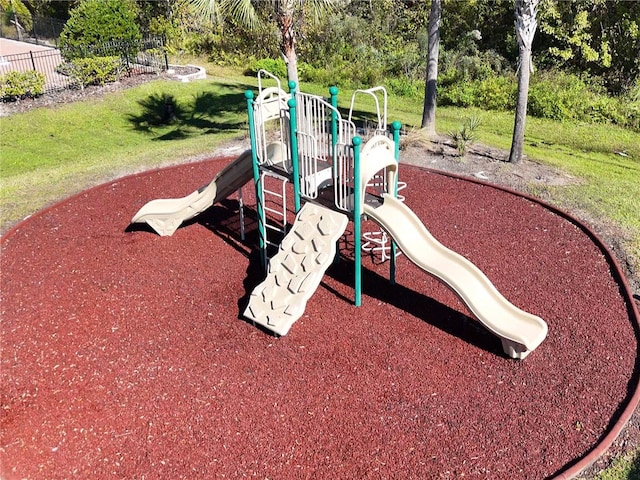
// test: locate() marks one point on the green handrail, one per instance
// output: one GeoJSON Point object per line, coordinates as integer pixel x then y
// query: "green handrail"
{"type": "Point", "coordinates": [333, 92]}
{"type": "Point", "coordinates": [357, 220]}
{"type": "Point", "coordinates": [396, 126]}
{"type": "Point", "coordinates": [293, 140]}
{"type": "Point", "coordinates": [256, 180]}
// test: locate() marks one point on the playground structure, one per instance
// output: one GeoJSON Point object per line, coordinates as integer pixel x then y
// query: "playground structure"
{"type": "Point", "coordinates": [336, 179]}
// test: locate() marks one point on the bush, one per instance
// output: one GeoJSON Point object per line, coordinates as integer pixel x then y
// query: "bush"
{"type": "Point", "coordinates": [461, 94]}
{"type": "Point", "coordinates": [17, 85]}
{"type": "Point", "coordinates": [603, 109]}
{"type": "Point", "coordinates": [94, 70]}
{"type": "Point", "coordinates": [631, 106]}
{"type": "Point", "coordinates": [496, 93]}
{"type": "Point", "coordinates": [98, 22]}
{"type": "Point", "coordinates": [404, 87]}
{"type": "Point", "coordinates": [558, 96]}
{"type": "Point", "coordinates": [468, 63]}
{"type": "Point", "coordinates": [276, 67]}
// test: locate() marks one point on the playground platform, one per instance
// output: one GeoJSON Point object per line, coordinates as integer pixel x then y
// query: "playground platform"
{"type": "Point", "coordinates": [124, 354]}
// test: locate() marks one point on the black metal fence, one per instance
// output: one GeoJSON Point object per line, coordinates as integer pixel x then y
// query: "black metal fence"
{"type": "Point", "coordinates": [44, 31]}
{"type": "Point", "coordinates": [145, 56]}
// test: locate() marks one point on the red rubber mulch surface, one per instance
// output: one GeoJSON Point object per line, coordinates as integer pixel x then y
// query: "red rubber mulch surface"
{"type": "Point", "coordinates": [124, 355]}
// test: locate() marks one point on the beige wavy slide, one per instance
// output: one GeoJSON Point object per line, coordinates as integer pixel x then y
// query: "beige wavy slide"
{"type": "Point", "coordinates": [165, 215]}
{"type": "Point", "coordinates": [520, 332]}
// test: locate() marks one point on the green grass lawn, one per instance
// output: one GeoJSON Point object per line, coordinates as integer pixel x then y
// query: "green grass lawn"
{"type": "Point", "coordinates": [50, 153]}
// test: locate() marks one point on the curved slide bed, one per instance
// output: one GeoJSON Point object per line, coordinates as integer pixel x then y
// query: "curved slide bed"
{"type": "Point", "coordinates": [165, 215]}
{"type": "Point", "coordinates": [520, 332]}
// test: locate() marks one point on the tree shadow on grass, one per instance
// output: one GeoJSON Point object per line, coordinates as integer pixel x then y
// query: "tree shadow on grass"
{"type": "Point", "coordinates": [166, 117]}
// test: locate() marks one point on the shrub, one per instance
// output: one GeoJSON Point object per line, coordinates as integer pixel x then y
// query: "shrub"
{"type": "Point", "coordinates": [630, 106]}
{"type": "Point", "coordinates": [461, 94]}
{"type": "Point", "coordinates": [496, 93]}
{"type": "Point", "coordinates": [465, 135]}
{"type": "Point", "coordinates": [200, 43]}
{"type": "Point", "coordinates": [306, 72]}
{"type": "Point", "coordinates": [276, 67]}
{"type": "Point", "coordinates": [94, 70]}
{"type": "Point", "coordinates": [468, 63]}
{"type": "Point", "coordinates": [558, 96]}
{"type": "Point", "coordinates": [98, 22]}
{"type": "Point", "coordinates": [405, 87]}
{"type": "Point", "coordinates": [17, 85]}
{"type": "Point", "coordinates": [603, 109]}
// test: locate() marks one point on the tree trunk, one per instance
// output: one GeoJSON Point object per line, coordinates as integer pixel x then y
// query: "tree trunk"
{"type": "Point", "coordinates": [285, 14]}
{"type": "Point", "coordinates": [430, 93]}
{"type": "Point", "coordinates": [526, 25]}
{"type": "Point", "coordinates": [521, 106]}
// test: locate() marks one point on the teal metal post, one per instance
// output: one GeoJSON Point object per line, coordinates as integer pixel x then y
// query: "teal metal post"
{"type": "Point", "coordinates": [396, 126]}
{"type": "Point", "coordinates": [292, 87]}
{"type": "Point", "coordinates": [394, 248]}
{"type": "Point", "coordinates": [256, 180]}
{"type": "Point", "coordinates": [333, 91]}
{"type": "Point", "coordinates": [293, 144]}
{"type": "Point", "coordinates": [357, 221]}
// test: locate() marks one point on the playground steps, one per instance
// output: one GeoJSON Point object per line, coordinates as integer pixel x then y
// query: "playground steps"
{"type": "Point", "coordinates": [296, 270]}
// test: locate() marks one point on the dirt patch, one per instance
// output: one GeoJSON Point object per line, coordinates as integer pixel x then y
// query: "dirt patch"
{"type": "Point", "coordinates": [486, 163]}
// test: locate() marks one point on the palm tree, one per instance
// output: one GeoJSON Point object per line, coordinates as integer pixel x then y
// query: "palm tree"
{"type": "Point", "coordinates": [288, 14]}
{"type": "Point", "coordinates": [429, 111]}
{"type": "Point", "coordinates": [526, 25]}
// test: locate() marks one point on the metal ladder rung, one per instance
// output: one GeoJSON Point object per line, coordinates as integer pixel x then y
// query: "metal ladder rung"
{"type": "Point", "coordinates": [274, 211]}
{"type": "Point", "coordinates": [280, 225]}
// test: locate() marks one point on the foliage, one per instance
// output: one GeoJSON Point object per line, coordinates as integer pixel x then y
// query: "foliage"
{"type": "Point", "coordinates": [631, 106]}
{"type": "Point", "coordinates": [12, 9]}
{"type": "Point", "coordinates": [492, 93]}
{"type": "Point", "coordinates": [17, 85]}
{"type": "Point", "coordinates": [276, 67]}
{"type": "Point", "coordinates": [553, 94]}
{"type": "Point", "coordinates": [626, 467]}
{"type": "Point", "coordinates": [461, 94]}
{"type": "Point", "coordinates": [404, 87]}
{"type": "Point", "coordinates": [562, 96]}
{"type": "Point", "coordinates": [497, 92]}
{"type": "Point", "coordinates": [467, 62]}
{"type": "Point", "coordinates": [94, 70]}
{"type": "Point", "coordinates": [466, 134]}
{"type": "Point", "coordinates": [98, 22]}
{"type": "Point", "coordinates": [599, 37]}
{"type": "Point", "coordinates": [557, 95]}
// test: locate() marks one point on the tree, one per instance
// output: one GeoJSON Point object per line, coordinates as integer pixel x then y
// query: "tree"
{"type": "Point", "coordinates": [595, 36]}
{"type": "Point", "coordinates": [286, 23]}
{"type": "Point", "coordinates": [430, 95]}
{"type": "Point", "coordinates": [16, 12]}
{"type": "Point", "coordinates": [98, 21]}
{"type": "Point", "coordinates": [288, 14]}
{"type": "Point", "coordinates": [526, 24]}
